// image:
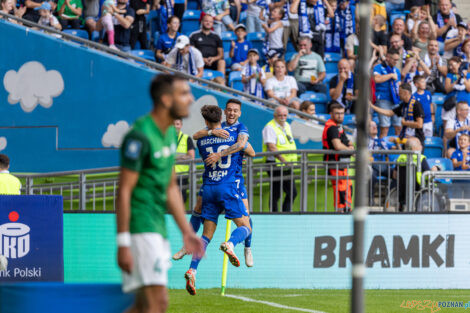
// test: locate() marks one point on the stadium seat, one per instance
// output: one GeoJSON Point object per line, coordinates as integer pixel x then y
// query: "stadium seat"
{"type": "Point", "coordinates": [192, 5]}
{"type": "Point", "coordinates": [331, 67]}
{"type": "Point", "coordinates": [332, 57]}
{"type": "Point", "coordinates": [257, 41]}
{"type": "Point", "coordinates": [137, 44]}
{"type": "Point", "coordinates": [443, 163]}
{"type": "Point", "coordinates": [190, 21]}
{"type": "Point", "coordinates": [328, 77]}
{"type": "Point", "coordinates": [145, 54]}
{"type": "Point", "coordinates": [156, 36]}
{"type": "Point", "coordinates": [235, 80]}
{"type": "Point", "coordinates": [210, 74]}
{"type": "Point", "coordinates": [326, 117]}
{"type": "Point", "coordinates": [350, 120]}
{"type": "Point", "coordinates": [433, 147]}
{"type": "Point", "coordinates": [438, 99]}
{"type": "Point", "coordinates": [153, 21]}
{"type": "Point", "coordinates": [227, 38]}
{"type": "Point", "coordinates": [290, 47]}
{"type": "Point", "coordinates": [315, 97]}
{"type": "Point", "coordinates": [95, 36]}
{"type": "Point", "coordinates": [77, 33]}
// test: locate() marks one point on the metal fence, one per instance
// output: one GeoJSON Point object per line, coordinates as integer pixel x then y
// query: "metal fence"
{"type": "Point", "coordinates": [302, 186]}
{"type": "Point", "coordinates": [444, 191]}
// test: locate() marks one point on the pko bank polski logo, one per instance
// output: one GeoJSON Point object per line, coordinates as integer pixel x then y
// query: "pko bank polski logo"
{"type": "Point", "coordinates": [14, 238]}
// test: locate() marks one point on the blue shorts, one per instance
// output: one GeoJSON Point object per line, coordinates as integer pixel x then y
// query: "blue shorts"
{"type": "Point", "coordinates": [241, 187]}
{"type": "Point", "coordinates": [220, 197]}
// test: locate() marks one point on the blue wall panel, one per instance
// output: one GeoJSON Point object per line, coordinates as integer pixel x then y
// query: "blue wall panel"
{"type": "Point", "coordinates": [98, 90]}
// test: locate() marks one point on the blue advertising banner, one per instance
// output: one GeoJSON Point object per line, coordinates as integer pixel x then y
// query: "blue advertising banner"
{"type": "Point", "coordinates": [31, 230]}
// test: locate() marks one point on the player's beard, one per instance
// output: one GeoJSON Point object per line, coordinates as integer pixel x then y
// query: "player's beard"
{"type": "Point", "coordinates": [175, 113]}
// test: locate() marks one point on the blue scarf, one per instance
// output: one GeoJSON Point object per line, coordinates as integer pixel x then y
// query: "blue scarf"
{"type": "Point", "coordinates": [163, 19]}
{"type": "Point", "coordinates": [169, 8]}
{"type": "Point", "coordinates": [409, 77]}
{"type": "Point", "coordinates": [285, 19]}
{"type": "Point", "coordinates": [408, 115]}
{"type": "Point", "coordinates": [393, 84]}
{"type": "Point", "coordinates": [191, 62]}
{"type": "Point", "coordinates": [304, 23]}
{"type": "Point", "coordinates": [319, 13]}
{"type": "Point", "coordinates": [332, 35]}
{"type": "Point", "coordinates": [457, 126]}
{"type": "Point", "coordinates": [349, 90]}
{"type": "Point", "coordinates": [440, 22]}
{"type": "Point", "coordinates": [347, 22]}
{"type": "Point", "coordinates": [253, 87]}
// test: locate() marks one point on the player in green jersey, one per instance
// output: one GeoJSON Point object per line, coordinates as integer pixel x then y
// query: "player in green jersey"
{"type": "Point", "coordinates": [147, 188]}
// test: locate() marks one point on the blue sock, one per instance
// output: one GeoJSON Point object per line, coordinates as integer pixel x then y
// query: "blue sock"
{"type": "Point", "coordinates": [239, 234]}
{"type": "Point", "coordinates": [195, 261]}
{"type": "Point", "coordinates": [196, 221]}
{"type": "Point", "coordinates": [248, 239]}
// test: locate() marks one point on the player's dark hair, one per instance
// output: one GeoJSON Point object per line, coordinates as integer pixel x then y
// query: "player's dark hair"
{"type": "Point", "coordinates": [417, 78]}
{"type": "Point", "coordinates": [407, 87]}
{"type": "Point", "coordinates": [305, 105]}
{"type": "Point", "coordinates": [163, 84]}
{"type": "Point", "coordinates": [393, 51]}
{"type": "Point", "coordinates": [233, 100]}
{"type": "Point", "coordinates": [334, 105]}
{"type": "Point", "coordinates": [4, 161]}
{"type": "Point", "coordinates": [211, 113]}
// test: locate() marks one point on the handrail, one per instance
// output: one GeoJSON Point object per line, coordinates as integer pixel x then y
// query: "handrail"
{"type": "Point", "coordinates": [160, 67]}
{"type": "Point", "coordinates": [199, 160]}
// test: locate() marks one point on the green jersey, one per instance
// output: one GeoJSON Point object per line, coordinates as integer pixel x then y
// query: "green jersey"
{"type": "Point", "coordinates": [77, 4]}
{"type": "Point", "coordinates": [150, 152]}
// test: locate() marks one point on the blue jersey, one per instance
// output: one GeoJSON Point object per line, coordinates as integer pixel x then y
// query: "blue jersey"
{"type": "Point", "coordinates": [383, 90]}
{"type": "Point", "coordinates": [458, 155]}
{"type": "Point", "coordinates": [165, 43]}
{"type": "Point", "coordinates": [425, 99]}
{"type": "Point", "coordinates": [240, 129]}
{"type": "Point", "coordinates": [240, 51]}
{"type": "Point", "coordinates": [225, 170]}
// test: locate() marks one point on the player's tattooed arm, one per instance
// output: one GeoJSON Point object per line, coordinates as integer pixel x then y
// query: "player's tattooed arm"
{"type": "Point", "coordinates": [219, 132]}
{"type": "Point", "coordinates": [249, 150]}
{"type": "Point", "coordinates": [239, 145]}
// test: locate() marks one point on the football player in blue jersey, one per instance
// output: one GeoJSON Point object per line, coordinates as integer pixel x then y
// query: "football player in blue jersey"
{"type": "Point", "coordinates": [219, 191]}
{"type": "Point", "coordinates": [232, 114]}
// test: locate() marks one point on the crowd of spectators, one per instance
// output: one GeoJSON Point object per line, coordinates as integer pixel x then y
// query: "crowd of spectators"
{"type": "Point", "coordinates": [420, 48]}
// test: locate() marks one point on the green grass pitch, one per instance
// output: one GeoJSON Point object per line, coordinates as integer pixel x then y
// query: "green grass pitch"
{"type": "Point", "coordinates": [303, 300]}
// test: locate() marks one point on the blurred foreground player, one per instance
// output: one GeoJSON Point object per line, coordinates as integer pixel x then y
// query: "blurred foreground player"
{"type": "Point", "coordinates": [147, 188]}
{"type": "Point", "coordinates": [219, 192]}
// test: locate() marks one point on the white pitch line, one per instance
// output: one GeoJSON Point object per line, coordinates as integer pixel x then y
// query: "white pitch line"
{"type": "Point", "coordinates": [273, 304]}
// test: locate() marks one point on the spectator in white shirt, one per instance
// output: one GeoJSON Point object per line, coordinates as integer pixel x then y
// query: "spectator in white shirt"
{"type": "Point", "coordinates": [282, 88]}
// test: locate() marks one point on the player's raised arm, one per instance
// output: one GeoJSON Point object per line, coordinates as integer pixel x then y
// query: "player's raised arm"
{"type": "Point", "coordinates": [249, 150]}
{"type": "Point", "coordinates": [127, 181]}
{"type": "Point", "coordinates": [236, 147]}
{"type": "Point", "coordinates": [192, 243]}
{"type": "Point", "coordinates": [221, 133]}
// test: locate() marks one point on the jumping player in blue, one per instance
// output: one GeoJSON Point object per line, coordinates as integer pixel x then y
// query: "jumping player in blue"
{"type": "Point", "coordinates": [232, 114]}
{"type": "Point", "coordinates": [219, 191]}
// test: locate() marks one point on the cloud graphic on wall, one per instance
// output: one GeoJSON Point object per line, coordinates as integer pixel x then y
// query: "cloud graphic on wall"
{"type": "Point", "coordinates": [306, 131]}
{"type": "Point", "coordinates": [195, 121]}
{"type": "Point", "coordinates": [33, 85]}
{"type": "Point", "coordinates": [114, 134]}
{"type": "Point", "coordinates": [3, 143]}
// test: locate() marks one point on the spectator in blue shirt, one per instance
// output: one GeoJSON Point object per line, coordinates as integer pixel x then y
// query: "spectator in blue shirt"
{"type": "Point", "coordinates": [461, 161]}
{"type": "Point", "coordinates": [166, 41]}
{"type": "Point", "coordinates": [425, 98]}
{"type": "Point", "coordinates": [375, 144]}
{"type": "Point", "coordinates": [387, 81]}
{"type": "Point", "coordinates": [240, 48]}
